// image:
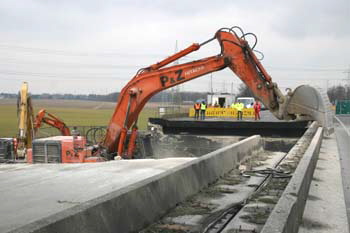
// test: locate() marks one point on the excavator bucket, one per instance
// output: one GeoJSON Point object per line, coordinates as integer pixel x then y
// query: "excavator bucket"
{"type": "Point", "coordinates": [312, 103]}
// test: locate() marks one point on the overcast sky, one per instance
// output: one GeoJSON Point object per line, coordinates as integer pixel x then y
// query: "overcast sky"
{"type": "Point", "coordinates": [90, 46]}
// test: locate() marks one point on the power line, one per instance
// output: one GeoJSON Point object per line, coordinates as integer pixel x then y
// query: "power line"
{"type": "Point", "coordinates": [66, 64]}
{"type": "Point", "coordinates": [48, 51]}
{"type": "Point", "coordinates": [110, 66]}
{"type": "Point", "coordinates": [307, 69]}
{"type": "Point", "coordinates": [45, 51]}
{"type": "Point", "coordinates": [348, 72]}
{"type": "Point", "coordinates": [39, 76]}
{"type": "Point", "coordinates": [24, 49]}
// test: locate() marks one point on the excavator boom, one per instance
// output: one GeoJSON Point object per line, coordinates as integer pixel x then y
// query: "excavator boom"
{"type": "Point", "coordinates": [44, 117]}
{"type": "Point", "coordinates": [142, 87]}
{"type": "Point", "coordinates": [25, 121]}
{"type": "Point", "coordinates": [235, 54]}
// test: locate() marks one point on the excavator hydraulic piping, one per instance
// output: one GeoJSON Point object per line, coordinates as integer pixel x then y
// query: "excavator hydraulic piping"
{"type": "Point", "coordinates": [260, 67]}
{"type": "Point", "coordinates": [132, 142]}
{"type": "Point", "coordinates": [174, 57]}
{"type": "Point", "coordinates": [207, 41]}
{"type": "Point", "coordinates": [124, 130]}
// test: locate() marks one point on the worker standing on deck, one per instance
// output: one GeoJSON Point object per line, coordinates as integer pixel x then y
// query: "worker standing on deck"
{"type": "Point", "coordinates": [203, 108]}
{"type": "Point", "coordinates": [234, 105]}
{"type": "Point", "coordinates": [257, 108]}
{"type": "Point", "coordinates": [239, 106]}
{"type": "Point", "coordinates": [197, 108]}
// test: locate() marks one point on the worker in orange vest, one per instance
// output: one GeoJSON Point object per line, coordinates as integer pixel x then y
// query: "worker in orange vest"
{"type": "Point", "coordinates": [197, 108]}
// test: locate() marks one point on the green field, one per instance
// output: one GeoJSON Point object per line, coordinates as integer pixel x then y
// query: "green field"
{"type": "Point", "coordinates": [73, 113]}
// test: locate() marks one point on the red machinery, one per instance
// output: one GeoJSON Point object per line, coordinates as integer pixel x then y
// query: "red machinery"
{"type": "Point", "coordinates": [61, 149]}
{"type": "Point", "coordinates": [235, 54]}
{"type": "Point", "coordinates": [47, 118]}
{"type": "Point", "coordinates": [58, 149]}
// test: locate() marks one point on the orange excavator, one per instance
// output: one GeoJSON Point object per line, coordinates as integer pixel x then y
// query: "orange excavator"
{"type": "Point", "coordinates": [44, 117]}
{"type": "Point", "coordinates": [304, 102]}
{"type": "Point", "coordinates": [237, 55]}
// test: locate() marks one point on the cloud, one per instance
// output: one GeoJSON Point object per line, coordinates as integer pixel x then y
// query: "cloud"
{"type": "Point", "coordinates": [51, 43]}
{"type": "Point", "coordinates": [314, 18]}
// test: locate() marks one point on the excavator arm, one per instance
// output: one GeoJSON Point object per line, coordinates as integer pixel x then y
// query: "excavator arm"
{"type": "Point", "coordinates": [49, 119]}
{"type": "Point", "coordinates": [235, 54]}
{"type": "Point", "coordinates": [143, 86]}
{"type": "Point", "coordinates": [25, 121]}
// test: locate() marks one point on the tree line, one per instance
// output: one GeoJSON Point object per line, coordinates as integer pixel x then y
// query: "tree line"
{"type": "Point", "coordinates": [335, 93]}
{"type": "Point", "coordinates": [338, 93]}
{"type": "Point", "coordinates": [165, 96]}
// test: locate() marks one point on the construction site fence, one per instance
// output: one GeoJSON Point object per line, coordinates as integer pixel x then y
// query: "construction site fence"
{"type": "Point", "coordinates": [171, 111]}
{"type": "Point", "coordinates": [225, 112]}
{"type": "Point", "coordinates": [342, 107]}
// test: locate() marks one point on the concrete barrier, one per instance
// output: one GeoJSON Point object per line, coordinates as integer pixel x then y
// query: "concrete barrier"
{"type": "Point", "coordinates": [133, 208]}
{"type": "Point", "coordinates": [288, 212]}
{"type": "Point", "coordinates": [344, 121]}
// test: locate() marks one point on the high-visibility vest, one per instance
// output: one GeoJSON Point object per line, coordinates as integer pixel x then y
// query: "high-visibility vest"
{"type": "Point", "coordinates": [203, 106]}
{"type": "Point", "coordinates": [239, 107]}
{"type": "Point", "coordinates": [197, 106]}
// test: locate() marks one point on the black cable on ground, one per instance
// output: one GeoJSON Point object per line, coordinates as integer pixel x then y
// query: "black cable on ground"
{"type": "Point", "coordinates": [275, 173]}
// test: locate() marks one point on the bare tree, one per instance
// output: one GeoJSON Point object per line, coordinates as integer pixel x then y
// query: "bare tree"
{"type": "Point", "coordinates": [338, 93]}
{"type": "Point", "coordinates": [244, 91]}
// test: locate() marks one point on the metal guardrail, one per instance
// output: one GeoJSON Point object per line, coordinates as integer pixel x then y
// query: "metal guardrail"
{"type": "Point", "coordinates": [342, 107]}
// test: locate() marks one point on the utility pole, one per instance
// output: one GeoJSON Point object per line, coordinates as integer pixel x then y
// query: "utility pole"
{"type": "Point", "coordinates": [348, 72]}
{"type": "Point", "coordinates": [175, 91]}
{"type": "Point", "coordinates": [211, 88]}
{"type": "Point", "coordinates": [223, 87]}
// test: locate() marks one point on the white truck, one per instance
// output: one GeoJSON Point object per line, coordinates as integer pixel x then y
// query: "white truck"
{"type": "Point", "coordinates": [247, 101]}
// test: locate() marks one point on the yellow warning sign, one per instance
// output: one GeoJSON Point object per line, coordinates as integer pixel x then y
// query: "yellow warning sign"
{"type": "Point", "coordinates": [225, 112]}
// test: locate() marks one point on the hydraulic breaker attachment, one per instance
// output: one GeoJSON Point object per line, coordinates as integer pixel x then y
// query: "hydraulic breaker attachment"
{"type": "Point", "coordinates": [312, 103]}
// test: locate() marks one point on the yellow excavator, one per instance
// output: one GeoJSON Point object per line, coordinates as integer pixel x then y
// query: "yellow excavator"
{"type": "Point", "coordinates": [25, 122]}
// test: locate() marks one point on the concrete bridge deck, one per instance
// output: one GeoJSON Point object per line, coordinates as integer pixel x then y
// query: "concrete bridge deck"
{"type": "Point", "coordinates": [29, 193]}
{"type": "Point", "coordinates": [116, 196]}
{"type": "Point", "coordinates": [55, 197]}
